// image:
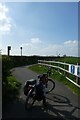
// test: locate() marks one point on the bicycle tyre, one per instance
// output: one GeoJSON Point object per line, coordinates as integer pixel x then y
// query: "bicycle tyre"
{"type": "Point", "coordinates": [29, 101]}
{"type": "Point", "coordinates": [51, 87]}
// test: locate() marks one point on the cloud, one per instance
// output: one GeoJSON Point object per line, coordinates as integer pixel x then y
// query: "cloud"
{"type": "Point", "coordinates": [38, 47]}
{"type": "Point", "coordinates": [71, 47]}
{"type": "Point", "coordinates": [35, 41]}
{"type": "Point", "coordinates": [69, 42]}
{"type": "Point", "coordinates": [32, 47]}
{"type": "Point", "coordinates": [5, 20]}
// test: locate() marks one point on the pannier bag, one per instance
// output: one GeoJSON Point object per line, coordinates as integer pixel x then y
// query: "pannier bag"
{"type": "Point", "coordinates": [27, 83]}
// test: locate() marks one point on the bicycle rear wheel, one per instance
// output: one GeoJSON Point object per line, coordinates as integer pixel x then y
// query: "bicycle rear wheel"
{"type": "Point", "coordinates": [50, 85]}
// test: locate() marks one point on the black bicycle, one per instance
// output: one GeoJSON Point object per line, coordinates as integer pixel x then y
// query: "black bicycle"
{"type": "Point", "coordinates": [31, 93]}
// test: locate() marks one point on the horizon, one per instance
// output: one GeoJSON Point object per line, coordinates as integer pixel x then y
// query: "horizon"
{"type": "Point", "coordinates": [36, 55]}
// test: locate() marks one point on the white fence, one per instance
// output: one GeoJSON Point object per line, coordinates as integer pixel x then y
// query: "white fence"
{"type": "Point", "coordinates": [69, 68]}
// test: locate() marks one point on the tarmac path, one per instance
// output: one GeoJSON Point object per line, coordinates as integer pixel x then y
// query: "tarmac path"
{"type": "Point", "coordinates": [62, 103]}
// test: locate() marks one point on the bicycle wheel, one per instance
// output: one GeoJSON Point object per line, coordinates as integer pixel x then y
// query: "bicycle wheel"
{"type": "Point", "coordinates": [50, 85]}
{"type": "Point", "coordinates": [29, 101]}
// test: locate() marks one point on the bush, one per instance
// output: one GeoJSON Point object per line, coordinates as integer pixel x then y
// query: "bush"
{"type": "Point", "coordinates": [10, 86]}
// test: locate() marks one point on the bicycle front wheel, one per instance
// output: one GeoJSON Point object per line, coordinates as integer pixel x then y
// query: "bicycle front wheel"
{"type": "Point", "coordinates": [50, 85]}
{"type": "Point", "coordinates": [29, 101]}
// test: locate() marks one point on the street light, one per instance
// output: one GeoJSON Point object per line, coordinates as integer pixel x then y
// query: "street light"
{"type": "Point", "coordinates": [21, 50]}
{"type": "Point", "coordinates": [9, 48]}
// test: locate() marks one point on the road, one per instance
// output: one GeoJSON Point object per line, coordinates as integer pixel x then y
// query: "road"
{"type": "Point", "coordinates": [62, 103]}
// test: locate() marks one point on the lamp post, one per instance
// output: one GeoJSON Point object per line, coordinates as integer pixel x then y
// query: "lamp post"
{"type": "Point", "coordinates": [21, 50]}
{"type": "Point", "coordinates": [9, 48]}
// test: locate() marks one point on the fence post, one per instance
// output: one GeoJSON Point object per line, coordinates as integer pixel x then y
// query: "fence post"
{"type": "Point", "coordinates": [64, 68]}
{"type": "Point", "coordinates": [58, 66]}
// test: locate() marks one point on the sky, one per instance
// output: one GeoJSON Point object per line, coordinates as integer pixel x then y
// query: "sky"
{"type": "Point", "coordinates": [40, 28]}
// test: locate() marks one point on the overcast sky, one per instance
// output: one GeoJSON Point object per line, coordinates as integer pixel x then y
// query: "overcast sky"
{"type": "Point", "coordinates": [40, 28]}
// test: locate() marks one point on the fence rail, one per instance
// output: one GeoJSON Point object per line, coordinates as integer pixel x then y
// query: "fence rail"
{"type": "Point", "coordinates": [73, 71]}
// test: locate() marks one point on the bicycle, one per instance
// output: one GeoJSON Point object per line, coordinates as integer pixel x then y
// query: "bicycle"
{"type": "Point", "coordinates": [30, 92]}
{"type": "Point", "coordinates": [49, 71]}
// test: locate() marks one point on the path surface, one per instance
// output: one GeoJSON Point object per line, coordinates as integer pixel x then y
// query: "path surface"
{"type": "Point", "coordinates": [62, 103]}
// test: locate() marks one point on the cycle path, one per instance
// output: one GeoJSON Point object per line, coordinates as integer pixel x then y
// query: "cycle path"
{"type": "Point", "coordinates": [61, 102]}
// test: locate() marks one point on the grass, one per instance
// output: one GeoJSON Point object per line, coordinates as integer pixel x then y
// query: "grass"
{"type": "Point", "coordinates": [10, 90]}
{"type": "Point", "coordinates": [70, 60]}
{"type": "Point", "coordinates": [38, 68]}
{"type": "Point", "coordinates": [61, 78]}
{"type": "Point", "coordinates": [13, 82]}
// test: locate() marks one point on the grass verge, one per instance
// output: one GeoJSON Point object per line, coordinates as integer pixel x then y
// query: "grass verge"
{"type": "Point", "coordinates": [41, 69]}
{"type": "Point", "coordinates": [10, 89]}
